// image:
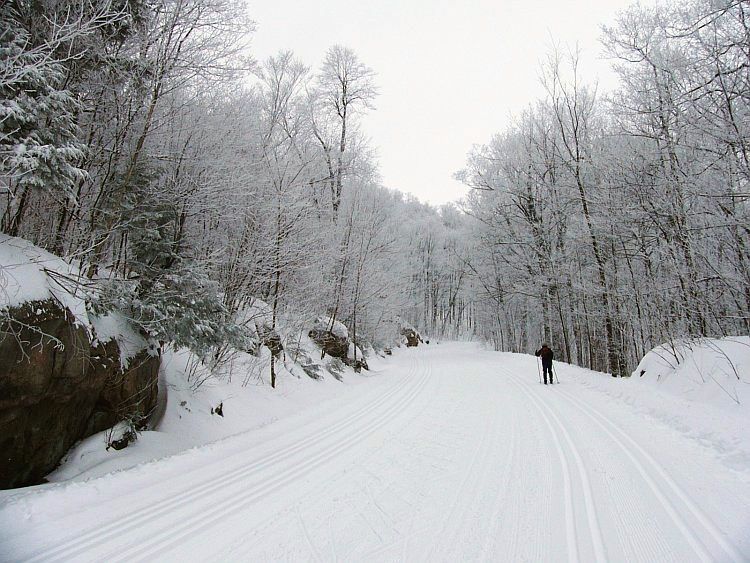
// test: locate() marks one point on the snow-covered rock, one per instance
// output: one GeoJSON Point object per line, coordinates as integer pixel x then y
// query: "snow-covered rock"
{"type": "Point", "coordinates": [355, 352]}
{"type": "Point", "coordinates": [332, 336]}
{"type": "Point", "coordinates": [257, 318]}
{"type": "Point", "coordinates": [29, 273]}
{"type": "Point", "coordinates": [326, 324]}
{"type": "Point", "coordinates": [64, 373]}
{"type": "Point", "coordinates": [113, 326]}
{"type": "Point", "coordinates": [241, 385]}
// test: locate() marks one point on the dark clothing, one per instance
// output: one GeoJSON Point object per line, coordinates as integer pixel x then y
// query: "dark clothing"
{"type": "Point", "coordinates": [547, 369]}
{"type": "Point", "coordinates": [546, 354]}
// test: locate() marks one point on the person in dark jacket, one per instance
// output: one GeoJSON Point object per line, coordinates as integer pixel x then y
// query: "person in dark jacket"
{"type": "Point", "coordinates": [545, 352]}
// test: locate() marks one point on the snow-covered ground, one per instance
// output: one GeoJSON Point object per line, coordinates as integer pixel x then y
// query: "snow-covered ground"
{"type": "Point", "coordinates": [449, 452]}
{"type": "Point", "coordinates": [188, 419]}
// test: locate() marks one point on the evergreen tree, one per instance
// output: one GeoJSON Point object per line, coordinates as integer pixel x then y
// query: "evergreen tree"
{"type": "Point", "coordinates": [39, 145]}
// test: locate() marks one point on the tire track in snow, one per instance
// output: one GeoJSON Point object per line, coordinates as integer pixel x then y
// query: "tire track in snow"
{"type": "Point", "coordinates": [97, 537]}
{"type": "Point", "coordinates": [632, 450]}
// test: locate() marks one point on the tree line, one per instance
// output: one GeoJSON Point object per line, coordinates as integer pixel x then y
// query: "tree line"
{"type": "Point", "coordinates": [143, 141]}
{"type": "Point", "coordinates": [611, 223]}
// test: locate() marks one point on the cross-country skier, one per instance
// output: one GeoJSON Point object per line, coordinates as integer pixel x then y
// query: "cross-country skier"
{"type": "Point", "coordinates": [545, 352]}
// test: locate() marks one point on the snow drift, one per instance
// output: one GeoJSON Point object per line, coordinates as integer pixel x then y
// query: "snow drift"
{"type": "Point", "coordinates": [710, 370]}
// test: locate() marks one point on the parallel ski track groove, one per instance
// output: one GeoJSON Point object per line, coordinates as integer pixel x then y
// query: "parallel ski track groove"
{"type": "Point", "coordinates": [638, 534]}
{"type": "Point", "coordinates": [99, 536]}
{"type": "Point", "coordinates": [167, 538]}
{"type": "Point", "coordinates": [570, 525]}
{"type": "Point", "coordinates": [333, 557]}
{"type": "Point", "coordinates": [588, 495]}
{"type": "Point", "coordinates": [519, 526]}
{"type": "Point", "coordinates": [405, 538]}
{"type": "Point", "coordinates": [611, 429]}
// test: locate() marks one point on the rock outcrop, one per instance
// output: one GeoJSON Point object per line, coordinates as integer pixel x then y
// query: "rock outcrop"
{"type": "Point", "coordinates": [331, 336]}
{"type": "Point", "coordinates": [258, 319]}
{"type": "Point", "coordinates": [58, 384]}
{"type": "Point", "coordinates": [412, 337]}
{"type": "Point", "coordinates": [333, 339]}
{"type": "Point", "coordinates": [128, 393]}
{"type": "Point", "coordinates": [397, 331]}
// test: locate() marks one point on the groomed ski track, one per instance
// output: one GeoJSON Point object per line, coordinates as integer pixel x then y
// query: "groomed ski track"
{"type": "Point", "coordinates": [453, 453]}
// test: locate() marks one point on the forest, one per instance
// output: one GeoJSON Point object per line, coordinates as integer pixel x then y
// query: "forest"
{"type": "Point", "coordinates": [143, 142]}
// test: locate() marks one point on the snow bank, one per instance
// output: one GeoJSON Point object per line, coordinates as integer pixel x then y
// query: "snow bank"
{"type": "Point", "coordinates": [28, 273]}
{"type": "Point", "coordinates": [696, 397]}
{"type": "Point", "coordinates": [241, 387]}
{"type": "Point", "coordinates": [708, 370]}
{"type": "Point", "coordinates": [354, 352]}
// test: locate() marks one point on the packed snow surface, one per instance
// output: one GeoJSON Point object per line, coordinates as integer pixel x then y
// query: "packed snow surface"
{"type": "Point", "coordinates": [448, 453]}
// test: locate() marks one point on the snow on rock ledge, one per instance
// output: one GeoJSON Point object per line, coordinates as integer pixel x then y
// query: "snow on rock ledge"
{"type": "Point", "coordinates": [327, 324]}
{"type": "Point", "coordinates": [114, 326]}
{"type": "Point", "coordinates": [28, 273]}
{"type": "Point", "coordinates": [63, 374]}
{"type": "Point", "coordinates": [332, 336]}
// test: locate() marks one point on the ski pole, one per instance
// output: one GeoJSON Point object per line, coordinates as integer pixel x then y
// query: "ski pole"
{"type": "Point", "coordinates": [554, 371]}
{"type": "Point", "coordinates": [539, 369]}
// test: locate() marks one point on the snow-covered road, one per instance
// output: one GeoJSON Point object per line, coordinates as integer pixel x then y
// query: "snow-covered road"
{"type": "Point", "coordinates": [453, 453]}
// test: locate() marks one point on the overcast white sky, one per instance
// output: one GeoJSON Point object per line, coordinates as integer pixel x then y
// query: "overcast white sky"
{"type": "Point", "coordinates": [450, 72]}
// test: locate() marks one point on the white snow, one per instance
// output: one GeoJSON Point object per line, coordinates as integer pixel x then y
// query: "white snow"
{"type": "Point", "coordinates": [113, 326]}
{"type": "Point", "coordinates": [354, 351]}
{"type": "Point", "coordinates": [257, 317]}
{"type": "Point", "coordinates": [28, 273]}
{"type": "Point", "coordinates": [241, 386]}
{"type": "Point", "coordinates": [707, 370]}
{"type": "Point", "coordinates": [338, 329]}
{"type": "Point", "coordinates": [450, 453]}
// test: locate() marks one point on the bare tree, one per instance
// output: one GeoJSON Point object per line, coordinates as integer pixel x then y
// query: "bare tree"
{"type": "Point", "coordinates": [345, 86]}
